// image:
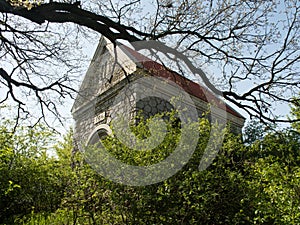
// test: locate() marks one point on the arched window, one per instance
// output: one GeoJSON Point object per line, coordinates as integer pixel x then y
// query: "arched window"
{"type": "Point", "coordinates": [98, 134]}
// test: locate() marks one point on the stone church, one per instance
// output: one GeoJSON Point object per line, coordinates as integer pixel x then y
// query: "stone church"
{"type": "Point", "coordinates": [99, 98]}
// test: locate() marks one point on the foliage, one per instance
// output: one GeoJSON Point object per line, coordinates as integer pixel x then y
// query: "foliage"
{"type": "Point", "coordinates": [30, 179]}
{"type": "Point", "coordinates": [257, 183]}
{"type": "Point", "coordinates": [273, 177]}
{"type": "Point", "coordinates": [26, 4]}
{"type": "Point", "coordinates": [295, 112]}
{"type": "Point", "coordinates": [253, 131]}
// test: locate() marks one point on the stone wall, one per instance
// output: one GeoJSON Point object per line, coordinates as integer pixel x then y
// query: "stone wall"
{"type": "Point", "coordinates": [101, 96]}
{"type": "Point", "coordinates": [114, 102]}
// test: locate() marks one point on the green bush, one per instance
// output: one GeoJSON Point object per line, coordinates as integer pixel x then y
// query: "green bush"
{"type": "Point", "coordinates": [256, 183]}
{"type": "Point", "coordinates": [30, 179]}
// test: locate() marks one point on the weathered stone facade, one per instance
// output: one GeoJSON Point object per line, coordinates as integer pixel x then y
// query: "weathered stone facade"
{"type": "Point", "coordinates": [99, 97]}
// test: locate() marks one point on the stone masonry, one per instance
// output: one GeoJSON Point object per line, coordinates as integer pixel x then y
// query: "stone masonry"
{"type": "Point", "coordinates": [99, 98]}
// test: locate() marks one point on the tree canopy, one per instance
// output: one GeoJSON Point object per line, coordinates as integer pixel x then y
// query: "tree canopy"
{"type": "Point", "coordinates": [251, 46]}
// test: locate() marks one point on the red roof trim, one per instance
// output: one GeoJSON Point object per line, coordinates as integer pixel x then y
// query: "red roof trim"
{"type": "Point", "coordinates": [189, 86]}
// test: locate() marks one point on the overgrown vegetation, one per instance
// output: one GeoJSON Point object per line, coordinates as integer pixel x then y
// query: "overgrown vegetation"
{"type": "Point", "coordinates": [253, 183]}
